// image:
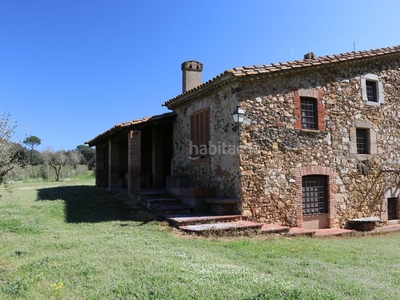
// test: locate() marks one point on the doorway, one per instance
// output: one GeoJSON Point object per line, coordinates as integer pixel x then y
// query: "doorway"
{"type": "Point", "coordinates": [392, 208]}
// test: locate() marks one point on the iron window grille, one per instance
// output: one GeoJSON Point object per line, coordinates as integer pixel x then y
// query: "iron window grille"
{"type": "Point", "coordinates": [372, 90]}
{"type": "Point", "coordinates": [308, 113]}
{"type": "Point", "coordinates": [315, 194]}
{"type": "Point", "coordinates": [362, 140]}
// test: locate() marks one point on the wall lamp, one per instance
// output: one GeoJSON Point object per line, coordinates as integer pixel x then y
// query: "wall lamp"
{"type": "Point", "coordinates": [238, 115]}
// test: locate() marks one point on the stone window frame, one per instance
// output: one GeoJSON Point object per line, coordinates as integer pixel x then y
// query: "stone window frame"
{"type": "Point", "coordinates": [373, 147]}
{"type": "Point", "coordinates": [391, 192]}
{"type": "Point", "coordinates": [379, 89]}
{"type": "Point", "coordinates": [315, 170]}
{"type": "Point", "coordinates": [320, 114]}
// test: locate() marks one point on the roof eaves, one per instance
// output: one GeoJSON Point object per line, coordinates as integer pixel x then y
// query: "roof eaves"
{"type": "Point", "coordinates": [277, 68]}
{"type": "Point", "coordinates": [204, 88]}
{"type": "Point", "coordinates": [128, 124]}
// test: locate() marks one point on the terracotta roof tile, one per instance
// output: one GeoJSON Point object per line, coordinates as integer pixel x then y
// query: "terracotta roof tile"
{"type": "Point", "coordinates": [120, 126]}
{"type": "Point", "coordinates": [286, 66]}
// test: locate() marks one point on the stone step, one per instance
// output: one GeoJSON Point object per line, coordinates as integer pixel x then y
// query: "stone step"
{"type": "Point", "coordinates": [297, 231]}
{"type": "Point", "coordinates": [168, 209]}
{"type": "Point", "coordinates": [142, 195]}
{"type": "Point", "coordinates": [273, 228]}
{"type": "Point", "coordinates": [191, 219]}
{"type": "Point", "coordinates": [222, 227]}
{"type": "Point", "coordinates": [150, 202]}
{"type": "Point", "coordinates": [333, 232]}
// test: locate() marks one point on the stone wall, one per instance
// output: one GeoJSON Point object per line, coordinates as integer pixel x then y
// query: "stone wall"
{"type": "Point", "coordinates": [273, 149]}
{"type": "Point", "coordinates": [221, 171]}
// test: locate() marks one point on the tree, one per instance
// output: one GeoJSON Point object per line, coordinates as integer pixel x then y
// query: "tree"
{"type": "Point", "coordinates": [32, 141]}
{"type": "Point", "coordinates": [11, 154]}
{"type": "Point", "coordinates": [89, 156]}
{"type": "Point", "coordinates": [58, 159]}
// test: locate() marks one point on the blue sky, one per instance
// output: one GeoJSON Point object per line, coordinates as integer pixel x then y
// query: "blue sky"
{"type": "Point", "coordinates": [71, 69]}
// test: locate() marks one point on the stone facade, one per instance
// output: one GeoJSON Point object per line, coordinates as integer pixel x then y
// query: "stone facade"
{"type": "Point", "coordinates": [222, 170]}
{"type": "Point", "coordinates": [276, 153]}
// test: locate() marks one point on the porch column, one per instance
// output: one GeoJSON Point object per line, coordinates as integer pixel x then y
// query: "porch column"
{"type": "Point", "coordinates": [134, 161]}
{"type": "Point", "coordinates": [113, 164]}
{"type": "Point", "coordinates": [157, 157]}
{"type": "Point", "coordinates": [100, 167]}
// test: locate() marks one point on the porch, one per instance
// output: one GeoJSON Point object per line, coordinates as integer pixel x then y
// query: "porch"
{"type": "Point", "coordinates": [136, 154]}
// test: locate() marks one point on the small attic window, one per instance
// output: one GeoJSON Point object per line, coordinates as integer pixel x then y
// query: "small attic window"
{"type": "Point", "coordinates": [372, 89]}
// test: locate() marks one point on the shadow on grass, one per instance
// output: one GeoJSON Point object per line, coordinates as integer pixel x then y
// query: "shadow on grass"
{"type": "Point", "coordinates": [92, 204]}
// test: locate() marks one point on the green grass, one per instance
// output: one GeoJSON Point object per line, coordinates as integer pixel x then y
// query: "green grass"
{"type": "Point", "coordinates": [71, 240]}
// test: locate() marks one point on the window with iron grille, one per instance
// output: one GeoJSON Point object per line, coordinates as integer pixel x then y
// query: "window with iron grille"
{"type": "Point", "coordinates": [309, 117]}
{"type": "Point", "coordinates": [362, 140]}
{"type": "Point", "coordinates": [371, 87]}
{"type": "Point", "coordinates": [200, 134]}
{"type": "Point", "coordinates": [315, 194]}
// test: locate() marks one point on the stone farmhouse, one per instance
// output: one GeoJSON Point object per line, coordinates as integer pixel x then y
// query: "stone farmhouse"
{"type": "Point", "coordinates": [319, 143]}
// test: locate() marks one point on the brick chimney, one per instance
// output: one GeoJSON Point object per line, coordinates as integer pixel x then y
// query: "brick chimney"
{"type": "Point", "coordinates": [191, 75]}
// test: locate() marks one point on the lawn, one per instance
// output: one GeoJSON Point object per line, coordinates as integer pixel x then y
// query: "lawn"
{"type": "Point", "coordinates": [71, 240]}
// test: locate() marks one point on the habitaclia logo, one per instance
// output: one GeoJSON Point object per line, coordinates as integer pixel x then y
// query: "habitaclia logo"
{"type": "Point", "coordinates": [204, 150]}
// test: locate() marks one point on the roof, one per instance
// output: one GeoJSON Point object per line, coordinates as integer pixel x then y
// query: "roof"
{"type": "Point", "coordinates": [130, 125]}
{"type": "Point", "coordinates": [283, 68]}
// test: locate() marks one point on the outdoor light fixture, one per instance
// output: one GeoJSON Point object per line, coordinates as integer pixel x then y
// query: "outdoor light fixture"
{"type": "Point", "coordinates": [238, 115]}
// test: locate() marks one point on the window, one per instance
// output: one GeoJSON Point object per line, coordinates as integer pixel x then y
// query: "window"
{"type": "Point", "coordinates": [200, 134]}
{"type": "Point", "coordinates": [315, 194]}
{"type": "Point", "coordinates": [371, 90]}
{"type": "Point", "coordinates": [309, 109]}
{"type": "Point", "coordinates": [309, 116]}
{"type": "Point", "coordinates": [362, 140]}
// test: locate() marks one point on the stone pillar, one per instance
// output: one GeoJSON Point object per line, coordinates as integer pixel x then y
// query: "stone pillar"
{"type": "Point", "coordinates": [113, 164]}
{"type": "Point", "coordinates": [157, 157]}
{"type": "Point", "coordinates": [134, 161]}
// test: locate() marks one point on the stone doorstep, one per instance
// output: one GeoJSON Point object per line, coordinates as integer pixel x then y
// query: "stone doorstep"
{"type": "Point", "coordinates": [238, 225]}
{"type": "Point", "coordinates": [184, 220]}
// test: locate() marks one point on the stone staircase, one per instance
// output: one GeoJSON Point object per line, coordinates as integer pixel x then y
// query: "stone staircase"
{"type": "Point", "coordinates": [181, 216]}
{"type": "Point", "coordinates": [185, 218]}
{"type": "Point", "coordinates": [161, 203]}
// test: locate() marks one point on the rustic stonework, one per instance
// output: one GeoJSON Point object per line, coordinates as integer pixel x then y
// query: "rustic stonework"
{"type": "Point", "coordinates": [275, 151]}
{"type": "Point", "coordinates": [281, 149]}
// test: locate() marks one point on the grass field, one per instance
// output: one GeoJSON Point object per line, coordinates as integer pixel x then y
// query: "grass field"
{"type": "Point", "coordinates": [71, 240]}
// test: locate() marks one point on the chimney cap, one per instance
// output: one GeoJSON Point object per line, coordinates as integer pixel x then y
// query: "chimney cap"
{"type": "Point", "coordinates": [309, 55]}
{"type": "Point", "coordinates": [192, 65]}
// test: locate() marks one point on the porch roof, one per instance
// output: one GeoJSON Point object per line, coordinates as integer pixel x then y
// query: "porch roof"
{"type": "Point", "coordinates": [131, 125]}
{"type": "Point", "coordinates": [282, 68]}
